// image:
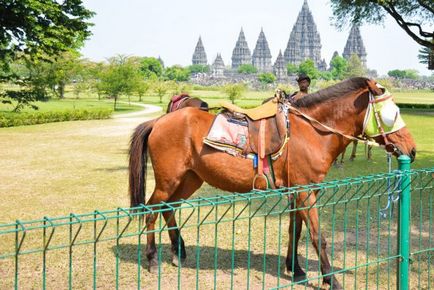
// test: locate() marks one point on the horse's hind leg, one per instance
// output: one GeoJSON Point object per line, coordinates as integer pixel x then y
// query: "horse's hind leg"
{"type": "Point", "coordinates": [310, 217]}
{"type": "Point", "coordinates": [295, 226]}
{"type": "Point", "coordinates": [157, 197]}
{"type": "Point", "coordinates": [188, 186]}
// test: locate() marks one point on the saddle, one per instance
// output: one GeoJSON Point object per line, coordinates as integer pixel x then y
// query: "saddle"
{"type": "Point", "coordinates": [267, 129]}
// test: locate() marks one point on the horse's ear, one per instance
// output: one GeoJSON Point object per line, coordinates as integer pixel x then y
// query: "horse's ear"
{"type": "Point", "coordinates": [377, 91]}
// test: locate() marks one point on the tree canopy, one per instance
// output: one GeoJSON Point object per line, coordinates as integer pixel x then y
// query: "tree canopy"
{"type": "Point", "coordinates": [42, 28]}
{"type": "Point", "coordinates": [415, 17]}
{"type": "Point", "coordinates": [151, 67]}
{"type": "Point", "coordinates": [355, 67]}
{"type": "Point", "coordinates": [247, 69]}
{"type": "Point", "coordinates": [404, 74]}
{"type": "Point", "coordinates": [338, 67]}
{"type": "Point", "coordinates": [308, 67]}
{"type": "Point", "coordinates": [177, 73]}
{"type": "Point", "coordinates": [267, 78]}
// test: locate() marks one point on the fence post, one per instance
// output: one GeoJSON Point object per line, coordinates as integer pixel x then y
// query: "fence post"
{"type": "Point", "coordinates": [404, 224]}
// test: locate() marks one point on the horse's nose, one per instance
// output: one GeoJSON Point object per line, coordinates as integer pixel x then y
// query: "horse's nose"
{"type": "Point", "coordinates": [413, 154]}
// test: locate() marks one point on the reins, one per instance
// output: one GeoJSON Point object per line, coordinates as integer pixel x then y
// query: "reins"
{"type": "Point", "coordinates": [337, 132]}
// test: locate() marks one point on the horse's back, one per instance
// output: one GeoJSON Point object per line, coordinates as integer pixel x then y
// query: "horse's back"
{"type": "Point", "coordinates": [178, 127]}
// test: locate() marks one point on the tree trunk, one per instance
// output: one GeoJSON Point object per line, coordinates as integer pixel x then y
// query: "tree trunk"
{"type": "Point", "coordinates": [61, 90]}
{"type": "Point", "coordinates": [116, 98]}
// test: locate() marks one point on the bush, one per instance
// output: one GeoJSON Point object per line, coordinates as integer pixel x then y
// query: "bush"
{"type": "Point", "coordinates": [247, 69]}
{"type": "Point", "coordinates": [20, 119]}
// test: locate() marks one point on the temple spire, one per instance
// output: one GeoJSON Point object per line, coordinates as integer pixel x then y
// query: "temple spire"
{"type": "Point", "coordinates": [279, 67]}
{"type": "Point", "coordinates": [199, 55]}
{"type": "Point", "coordinates": [304, 41]}
{"type": "Point", "coordinates": [241, 53]}
{"type": "Point", "coordinates": [355, 45]}
{"type": "Point", "coordinates": [218, 67]}
{"type": "Point", "coordinates": [261, 55]}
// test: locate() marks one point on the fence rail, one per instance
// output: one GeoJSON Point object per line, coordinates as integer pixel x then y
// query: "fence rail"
{"type": "Point", "coordinates": [237, 240]}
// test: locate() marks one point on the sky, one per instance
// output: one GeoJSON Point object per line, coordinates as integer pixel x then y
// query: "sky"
{"type": "Point", "coordinates": [170, 29]}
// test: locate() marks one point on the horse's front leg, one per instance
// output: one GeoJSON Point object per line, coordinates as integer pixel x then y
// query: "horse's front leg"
{"type": "Point", "coordinates": [354, 151]}
{"type": "Point", "coordinates": [310, 216]}
{"type": "Point", "coordinates": [295, 226]}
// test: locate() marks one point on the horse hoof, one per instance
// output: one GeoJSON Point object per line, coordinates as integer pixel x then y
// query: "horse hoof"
{"type": "Point", "coordinates": [298, 277]}
{"type": "Point", "coordinates": [153, 267]}
{"type": "Point", "coordinates": [176, 260]}
{"type": "Point", "coordinates": [334, 284]}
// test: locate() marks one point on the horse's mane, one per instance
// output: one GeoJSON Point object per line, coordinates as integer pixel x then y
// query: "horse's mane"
{"type": "Point", "coordinates": [332, 92]}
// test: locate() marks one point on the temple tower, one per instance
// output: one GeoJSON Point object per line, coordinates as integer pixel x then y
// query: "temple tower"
{"type": "Point", "coordinates": [304, 41]}
{"type": "Point", "coordinates": [355, 45]}
{"type": "Point", "coordinates": [199, 55]}
{"type": "Point", "coordinates": [218, 67]}
{"type": "Point", "coordinates": [279, 67]}
{"type": "Point", "coordinates": [261, 54]}
{"type": "Point", "coordinates": [241, 53]}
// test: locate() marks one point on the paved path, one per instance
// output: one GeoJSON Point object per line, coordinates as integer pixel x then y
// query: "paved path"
{"type": "Point", "coordinates": [149, 109]}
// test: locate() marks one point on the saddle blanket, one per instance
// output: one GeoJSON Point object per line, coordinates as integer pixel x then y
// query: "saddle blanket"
{"type": "Point", "coordinates": [228, 135]}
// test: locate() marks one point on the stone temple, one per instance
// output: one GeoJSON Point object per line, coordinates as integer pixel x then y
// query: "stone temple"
{"type": "Point", "coordinates": [304, 43]}
{"type": "Point", "coordinates": [218, 67]}
{"type": "Point", "coordinates": [241, 53]}
{"type": "Point", "coordinates": [279, 67]}
{"type": "Point", "coordinates": [261, 55]}
{"type": "Point", "coordinates": [355, 45]}
{"type": "Point", "coordinates": [199, 55]}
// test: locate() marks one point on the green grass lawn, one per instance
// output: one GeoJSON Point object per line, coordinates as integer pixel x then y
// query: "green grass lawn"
{"type": "Point", "coordinates": [57, 168]}
{"type": "Point", "coordinates": [86, 101]}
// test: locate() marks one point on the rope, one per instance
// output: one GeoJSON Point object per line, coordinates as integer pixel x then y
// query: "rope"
{"type": "Point", "coordinates": [364, 141]}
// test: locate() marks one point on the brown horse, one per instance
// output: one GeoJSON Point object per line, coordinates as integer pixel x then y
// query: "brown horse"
{"type": "Point", "coordinates": [181, 162]}
{"type": "Point", "coordinates": [184, 100]}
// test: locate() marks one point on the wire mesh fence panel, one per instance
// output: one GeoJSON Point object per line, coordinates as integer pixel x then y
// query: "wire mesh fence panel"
{"type": "Point", "coordinates": [233, 241]}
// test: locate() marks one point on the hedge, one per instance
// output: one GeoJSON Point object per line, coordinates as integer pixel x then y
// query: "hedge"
{"type": "Point", "coordinates": [8, 119]}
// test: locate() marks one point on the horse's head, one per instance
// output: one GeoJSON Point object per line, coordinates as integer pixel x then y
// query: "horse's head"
{"type": "Point", "coordinates": [383, 123]}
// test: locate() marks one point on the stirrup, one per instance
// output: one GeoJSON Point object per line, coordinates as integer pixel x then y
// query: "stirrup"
{"type": "Point", "coordinates": [267, 182]}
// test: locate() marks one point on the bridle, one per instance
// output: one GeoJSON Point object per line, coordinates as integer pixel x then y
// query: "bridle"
{"type": "Point", "coordinates": [365, 138]}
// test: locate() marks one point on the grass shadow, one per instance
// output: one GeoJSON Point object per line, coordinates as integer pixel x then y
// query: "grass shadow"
{"type": "Point", "coordinates": [226, 260]}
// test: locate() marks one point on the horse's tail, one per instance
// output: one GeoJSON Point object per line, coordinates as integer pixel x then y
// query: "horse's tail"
{"type": "Point", "coordinates": [138, 162]}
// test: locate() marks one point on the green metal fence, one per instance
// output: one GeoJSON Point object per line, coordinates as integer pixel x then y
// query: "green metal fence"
{"type": "Point", "coordinates": [237, 241]}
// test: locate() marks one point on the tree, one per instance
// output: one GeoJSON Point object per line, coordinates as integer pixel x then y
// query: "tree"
{"type": "Point", "coordinates": [141, 87]}
{"type": "Point", "coordinates": [177, 73]}
{"type": "Point", "coordinates": [291, 68]}
{"type": "Point", "coordinates": [426, 56]}
{"type": "Point", "coordinates": [62, 70]}
{"type": "Point", "coordinates": [30, 76]}
{"type": "Point", "coordinates": [308, 67]}
{"type": "Point", "coordinates": [42, 28]}
{"type": "Point", "coordinates": [338, 67]}
{"type": "Point", "coordinates": [415, 17]}
{"type": "Point", "coordinates": [120, 77]}
{"type": "Point", "coordinates": [267, 78]}
{"type": "Point", "coordinates": [199, 68]}
{"type": "Point", "coordinates": [404, 74]}
{"type": "Point", "coordinates": [247, 69]}
{"type": "Point", "coordinates": [355, 67]}
{"type": "Point", "coordinates": [151, 67]}
{"type": "Point", "coordinates": [234, 91]}
{"type": "Point", "coordinates": [160, 88]}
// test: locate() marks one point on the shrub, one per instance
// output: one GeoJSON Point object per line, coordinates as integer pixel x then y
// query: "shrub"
{"type": "Point", "coordinates": [9, 119]}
